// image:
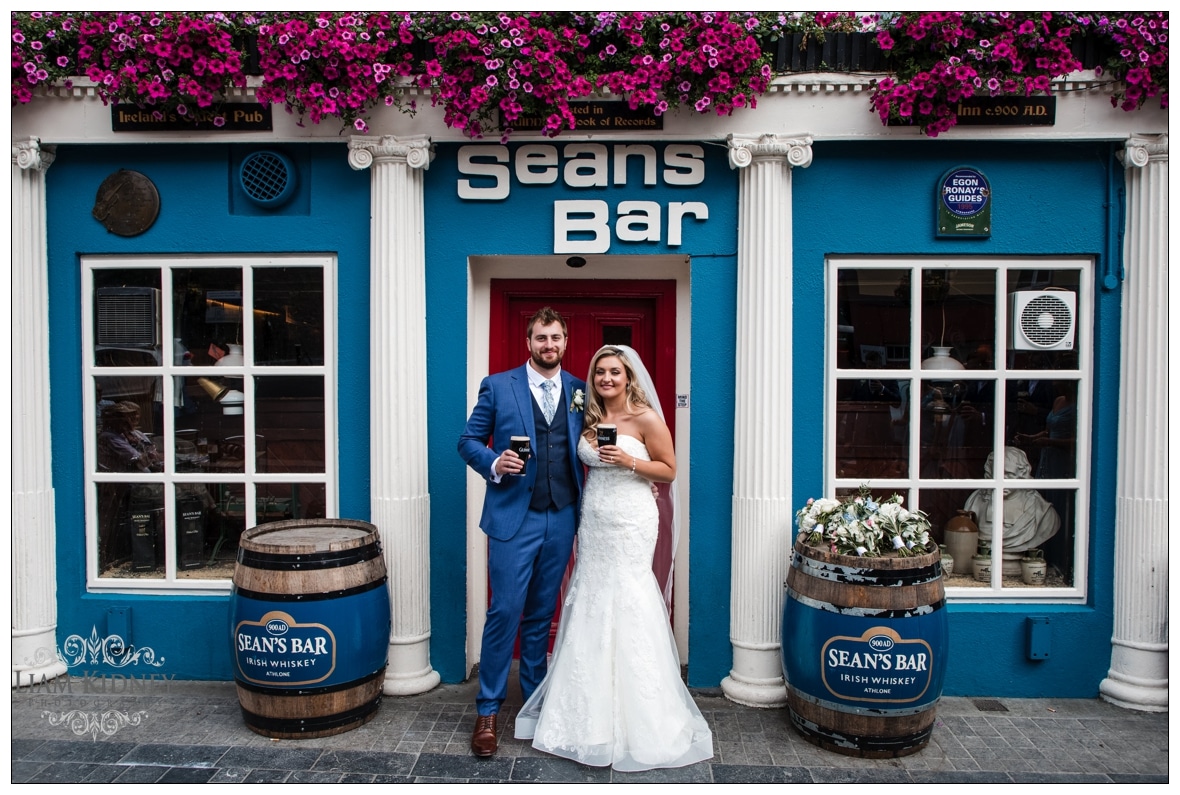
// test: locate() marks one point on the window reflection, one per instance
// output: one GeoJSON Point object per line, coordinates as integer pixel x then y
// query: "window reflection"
{"type": "Point", "coordinates": [289, 316]}
{"type": "Point", "coordinates": [290, 422]}
{"type": "Point", "coordinates": [131, 529]}
{"type": "Point", "coordinates": [128, 424]}
{"type": "Point", "coordinates": [207, 316]}
{"type": "Point", "coordinates": [872, 428]}
{"type": "Point", "coordinates": [127, 317]}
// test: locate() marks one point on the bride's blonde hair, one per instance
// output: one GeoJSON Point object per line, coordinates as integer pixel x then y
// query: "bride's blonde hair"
{"type": "Point", "coordinates": [636, 398]}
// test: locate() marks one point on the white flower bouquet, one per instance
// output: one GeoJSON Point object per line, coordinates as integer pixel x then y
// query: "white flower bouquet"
{"type": "Point", "coordinates": [862, 526]}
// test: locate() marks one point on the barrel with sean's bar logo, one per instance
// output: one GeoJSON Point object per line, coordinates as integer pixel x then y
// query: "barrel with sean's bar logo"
{"type": "Point", "coordinates": [864, 650]}
{"type": "Point", "coordinates": [310, 626]}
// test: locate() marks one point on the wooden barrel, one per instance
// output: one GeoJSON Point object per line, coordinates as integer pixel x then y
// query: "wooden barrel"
{"type": "Point", "coordinates": [310, 626]}
{"type": "Point", "coordinates": [864, 650]}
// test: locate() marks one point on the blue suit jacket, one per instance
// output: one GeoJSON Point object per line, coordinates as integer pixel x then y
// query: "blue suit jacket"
{"type": "Point", "coordinates": [503, 409]}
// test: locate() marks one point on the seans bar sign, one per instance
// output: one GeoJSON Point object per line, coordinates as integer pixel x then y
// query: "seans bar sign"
{"type": "Point", "coordinates": [879, 665]}
{"type": "Point", "coordinates": [590, 226]}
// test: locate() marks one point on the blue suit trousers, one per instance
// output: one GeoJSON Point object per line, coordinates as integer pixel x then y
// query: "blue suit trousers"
{"type": "Point", "coordinates": [525, 574]}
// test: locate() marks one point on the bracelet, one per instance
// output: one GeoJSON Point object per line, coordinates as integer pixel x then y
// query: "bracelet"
{"type": "Point", "coordinates": [634, 463]}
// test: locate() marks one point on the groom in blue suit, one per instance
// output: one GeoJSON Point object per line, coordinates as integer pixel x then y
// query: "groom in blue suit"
{"type": "Point", "coordinates": [530, 512]}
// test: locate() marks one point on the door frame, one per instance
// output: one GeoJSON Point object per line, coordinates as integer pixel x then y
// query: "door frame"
{"type": "Point", "coordinates": [481, 271]}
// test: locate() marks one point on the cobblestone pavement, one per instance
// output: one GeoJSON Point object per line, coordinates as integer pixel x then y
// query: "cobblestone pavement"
{"type": "Point", "coordinates": [111, 730]}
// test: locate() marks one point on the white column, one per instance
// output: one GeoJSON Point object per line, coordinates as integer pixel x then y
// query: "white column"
{"type": "Point", "coordinates": [762, 509]}
{"type": "Point", "coordinates": [1138, 676]}
{"type": "Point", "coordinates": [400, 503]}
{"type": "Point", "coordinates": [33, 536]}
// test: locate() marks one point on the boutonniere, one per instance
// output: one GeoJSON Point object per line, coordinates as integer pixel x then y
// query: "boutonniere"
{"type": "Point", "coordinates": [579, 401]}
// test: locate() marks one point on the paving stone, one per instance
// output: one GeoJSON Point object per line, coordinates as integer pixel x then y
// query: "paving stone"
{"type": "Point", "coordinates": [187, 775]}
{"type": "Point", "coordinates": [550, 769]}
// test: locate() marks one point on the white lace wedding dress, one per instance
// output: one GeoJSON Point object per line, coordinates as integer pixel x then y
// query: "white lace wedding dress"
{"type": "Point", "coordinates": [613, 694]}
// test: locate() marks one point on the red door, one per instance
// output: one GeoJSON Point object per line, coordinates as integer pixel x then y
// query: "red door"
{"type": "Point", "coordinates": [639, 313]}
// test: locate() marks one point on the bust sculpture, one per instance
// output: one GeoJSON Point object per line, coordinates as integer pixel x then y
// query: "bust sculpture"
{"type": "Point", "coordinates": [1029, 519]}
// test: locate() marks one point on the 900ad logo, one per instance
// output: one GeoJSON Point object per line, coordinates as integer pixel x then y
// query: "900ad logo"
{"type": "Point", "coordinates": [878, 666]}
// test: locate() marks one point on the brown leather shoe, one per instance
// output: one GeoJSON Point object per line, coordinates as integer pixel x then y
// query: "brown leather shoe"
{"type": "Point", "coordinates": [483, 739]}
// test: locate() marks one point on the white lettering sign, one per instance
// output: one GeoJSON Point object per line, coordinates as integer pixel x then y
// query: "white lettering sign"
{"type": "Point", "coordinates": [582, 226]}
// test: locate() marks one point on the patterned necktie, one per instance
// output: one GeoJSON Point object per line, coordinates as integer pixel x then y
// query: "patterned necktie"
{"type": "Point", "coordinates": [547, 404]}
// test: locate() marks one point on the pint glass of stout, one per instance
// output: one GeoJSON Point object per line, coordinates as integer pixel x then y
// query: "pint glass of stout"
{"type": "Point", "coordinates": [607, 434]}
{"type": "Point", "coordinates": [522, 447]}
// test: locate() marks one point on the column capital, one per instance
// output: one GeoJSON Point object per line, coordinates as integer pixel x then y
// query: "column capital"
{"type": "Point", "coordinates": [29, 154]}
{"type": "Point", "coordinates": [1141, 149]}
{"type": "Point", "coordinates": [744, 149]}
{"type": "Point", "coordinates": [415, 151]}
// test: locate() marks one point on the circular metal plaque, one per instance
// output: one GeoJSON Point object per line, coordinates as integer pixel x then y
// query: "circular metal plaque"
{"type": "Point", "coordinates": [127, 203]}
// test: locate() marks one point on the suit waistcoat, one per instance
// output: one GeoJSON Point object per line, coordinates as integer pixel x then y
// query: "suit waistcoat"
{"type": "Point", "coordinates": [554, 486]}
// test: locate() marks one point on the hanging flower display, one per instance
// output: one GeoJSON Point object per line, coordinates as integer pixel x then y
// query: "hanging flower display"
{"type": "Point", "coordinates": [941, 57]}
{"type": "Point", "coordinates": [495, 72]}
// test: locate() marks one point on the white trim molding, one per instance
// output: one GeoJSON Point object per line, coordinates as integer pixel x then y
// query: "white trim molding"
{"type": "Point", "coordinates": [400, 499]}
{"type": "Point", "coordinates": [762, 510]}
{"type": "Point", "coordinates": [1138, 676]}
{"type": "Point", "coordinates": [34, 529]}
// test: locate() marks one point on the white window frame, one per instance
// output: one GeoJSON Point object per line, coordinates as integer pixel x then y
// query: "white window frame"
{"type": "Point", "coordinates": [909, 487]}
{"type": "Point", "coordinates": [167, 371]}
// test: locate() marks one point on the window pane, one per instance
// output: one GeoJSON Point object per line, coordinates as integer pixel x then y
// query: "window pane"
{"type": "Point", "coordinates": [127, 317]}
{"type": "Point", "coordinates": [1042, 319]}
{"type": "Point", "coordinates": [129, 424]}
{"type": "Point", "coordinates": [1028, 519]}
{"type": "Point", "coordinates": [950, 525]}
{"type": "Point", "coordinates": [1046, 415]}
{"type": "Point", "coordinates": [130, 529]}
{"type": "Point", "coordinates": [872, 428]}
{"type": "Point", "coordinates": [959, 314]}
{"type": "Point", "coordinates": [210, 425]}
{"type": "Point", "coordinates": [873, 318]}
{"type": "Point", "coordinates": [956, 427]}
{"type": "Point", "coordinates": [207, 316]}
{"type": "Point", "coordinates": [228, 522]}
{"type": "Point", "coordinates": [292, 501]}
{"type": "Point", "coordinates": [290, 423]}
{"type": "Point", "coordinates": [289, 316]}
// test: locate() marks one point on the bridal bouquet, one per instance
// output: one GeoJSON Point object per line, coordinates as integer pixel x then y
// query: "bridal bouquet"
{"type": "Point", "coordinates": [860, 525]}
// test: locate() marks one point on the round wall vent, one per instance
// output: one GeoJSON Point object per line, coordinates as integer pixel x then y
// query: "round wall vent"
{"type": "Point", "coordinates": [268, 179]}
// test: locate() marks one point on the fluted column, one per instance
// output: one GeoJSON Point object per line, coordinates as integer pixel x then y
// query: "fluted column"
{"type": "Point", "coordinates": [1138, 676]}
{"type": "Point", "coordinates": [762, 510]}
{"type": "Point", "coordinates": [33, 537]}
{"type": "Point", "coordinates": [400, 502]}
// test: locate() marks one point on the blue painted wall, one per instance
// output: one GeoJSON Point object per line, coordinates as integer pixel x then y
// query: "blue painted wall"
{"type": "Point", "coordinates": [1049, 199]}
{"type": "Point", "coordinates": [522, 224]}
{"type": "Point", "coordinates": [856, 198]}
{"type": "Point", "coordinates": [197, 215]}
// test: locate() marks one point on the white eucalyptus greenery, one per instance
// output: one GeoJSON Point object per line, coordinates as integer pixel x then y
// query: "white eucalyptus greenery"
{"type": "Point", "coordinates": [860, 525]}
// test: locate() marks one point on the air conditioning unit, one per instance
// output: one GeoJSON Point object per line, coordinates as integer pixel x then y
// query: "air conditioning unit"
{"type": "Point", "coordinates": [128, 317]}
{"type": "Point", "coordinates": [1043, 320]}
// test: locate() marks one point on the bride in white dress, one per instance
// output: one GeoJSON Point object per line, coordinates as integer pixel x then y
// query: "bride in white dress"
{"type": "Point", "coordinates": [613, 694]}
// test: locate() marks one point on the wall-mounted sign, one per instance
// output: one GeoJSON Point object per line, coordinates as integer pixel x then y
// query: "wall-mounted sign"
{"type": "Point", "coordinates": [127, 203]}
{"type": "Point", "coordinates": [490, 172]}
{"type": "Point", "coordinates": [964, 203]}
{"type": "Point", "coordinates": [1001, 112]}
{"type": "Point", "coordinates": [601, 116]}
{"type": "Point", "coordinates": [235, 117]}
{"type": "Point", "coordinates": [1007, 110]}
